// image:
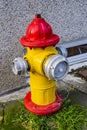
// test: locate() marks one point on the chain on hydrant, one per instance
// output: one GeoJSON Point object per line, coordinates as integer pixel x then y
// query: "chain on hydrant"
{"type": "Point", "coordinates": [45, 66]}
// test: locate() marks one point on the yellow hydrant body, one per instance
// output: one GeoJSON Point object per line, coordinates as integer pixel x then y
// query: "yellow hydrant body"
{"type": "Point", "coordinates": [42, 88]}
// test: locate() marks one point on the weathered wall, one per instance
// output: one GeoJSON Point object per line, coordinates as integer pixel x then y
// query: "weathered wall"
{"type": "Point", "coordinates": [68, 18]}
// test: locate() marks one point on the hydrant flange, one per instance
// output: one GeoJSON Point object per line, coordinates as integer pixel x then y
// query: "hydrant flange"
{"type": "Point", "coordinates": [41, 109]}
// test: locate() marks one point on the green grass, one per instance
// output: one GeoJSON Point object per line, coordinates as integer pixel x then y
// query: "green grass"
{"type": "Point", "coordinates": [70, 117]}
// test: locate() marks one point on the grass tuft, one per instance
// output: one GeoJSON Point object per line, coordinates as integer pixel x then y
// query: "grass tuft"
{"type": "Point", "coordinates": [69, 117]}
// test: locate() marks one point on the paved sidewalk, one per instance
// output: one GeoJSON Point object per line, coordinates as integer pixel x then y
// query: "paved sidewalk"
{"type": "Point", "coordinates": [70, 82]}
{"type": "Point", "coordinates": [14, 95]}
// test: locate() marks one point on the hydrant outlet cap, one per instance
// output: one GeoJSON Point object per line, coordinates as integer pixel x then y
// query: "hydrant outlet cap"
{"type": "Point", "coordinates": [39, 34]}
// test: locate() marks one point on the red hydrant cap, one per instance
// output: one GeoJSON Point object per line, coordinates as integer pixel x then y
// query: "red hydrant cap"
{"type": "Point", "coordinates": [39, 34]}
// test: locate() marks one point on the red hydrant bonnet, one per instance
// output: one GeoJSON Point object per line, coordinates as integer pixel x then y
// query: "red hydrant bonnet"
{"type": "Point", "coordinates": [39, 34]}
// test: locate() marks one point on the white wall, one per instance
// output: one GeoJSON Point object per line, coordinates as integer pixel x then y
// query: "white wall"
{"type": "Point", "coordinates": [68, 19]}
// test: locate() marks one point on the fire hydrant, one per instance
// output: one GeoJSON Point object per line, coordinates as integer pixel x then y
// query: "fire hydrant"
{"type": "Point", "coordinates": [45, 66]}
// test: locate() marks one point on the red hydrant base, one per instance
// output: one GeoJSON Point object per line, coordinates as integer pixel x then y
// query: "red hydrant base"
{"type": "Point", "coordinates": [43, 109]}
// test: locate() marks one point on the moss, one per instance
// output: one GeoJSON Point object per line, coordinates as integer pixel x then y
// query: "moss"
{"type": "Point", "coordinates": [69, 117]}
{"type": "Point", "coordinates": [13, 127]}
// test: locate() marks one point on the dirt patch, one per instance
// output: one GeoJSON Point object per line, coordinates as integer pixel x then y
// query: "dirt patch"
{"type": "Point", "coordinates": [81, 72]}
{"type": "Point", "coordinates": [1, 117]}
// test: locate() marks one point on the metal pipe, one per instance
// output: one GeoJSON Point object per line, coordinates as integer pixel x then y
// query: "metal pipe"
{"type": "Point", "coordinates": [77, 59]}
{"type": "Point", "coordinates": [73, 44]}
{"type": "Point", "coordinates": [65, 48]}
